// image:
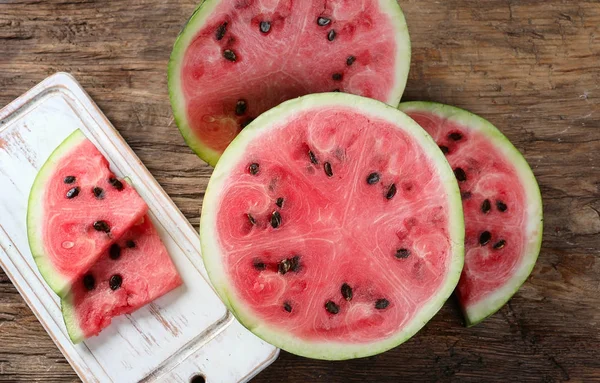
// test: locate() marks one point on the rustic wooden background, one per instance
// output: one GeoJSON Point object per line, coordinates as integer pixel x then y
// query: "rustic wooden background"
{"type": "Point", "coordinates": [531, 67]}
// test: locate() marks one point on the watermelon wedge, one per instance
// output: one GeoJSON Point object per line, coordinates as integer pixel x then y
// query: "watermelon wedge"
{"type": "Point", "coordinates": [134, 271]}
{"type": "Point", "coordinates": [332, 227]}
{"type": "Point", "coordinates": [77, 208]}
{"type": "Point", "coordinates": [236, 59]}
{"type": "Point", "coordinates": [501, 202]}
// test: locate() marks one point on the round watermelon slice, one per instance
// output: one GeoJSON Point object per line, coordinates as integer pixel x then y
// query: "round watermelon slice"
{"type": "Point", "coordinates": [77, 208]}
{"type": "Point", "coordinates": [236, 59]}
{"type": "Point", "coordinates": [501, 202]}
{"type": "Point", "coordinates": [332, 227]}
{"type": "Point", "coordinates": [134, 271]}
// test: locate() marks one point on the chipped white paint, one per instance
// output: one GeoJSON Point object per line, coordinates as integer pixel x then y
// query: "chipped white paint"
{"type": "Point", "coordinates": [185, 332]}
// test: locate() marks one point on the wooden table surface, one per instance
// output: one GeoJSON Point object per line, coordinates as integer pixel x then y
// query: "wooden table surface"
{"type": "Point", "coordinates": [531, 67]}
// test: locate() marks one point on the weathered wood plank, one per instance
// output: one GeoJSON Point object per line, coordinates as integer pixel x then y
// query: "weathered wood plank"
{"type": "Point", "coordinates": [531, 67]}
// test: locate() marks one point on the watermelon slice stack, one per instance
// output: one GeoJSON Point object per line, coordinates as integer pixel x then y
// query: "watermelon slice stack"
{"type": "Point", "coordinates": [92, 239]}
{"type": "Point", "coordinates": [335, 226]}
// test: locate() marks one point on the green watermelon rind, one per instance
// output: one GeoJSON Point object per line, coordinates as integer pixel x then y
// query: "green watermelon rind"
{"type": "Point", "coordinates": [71, 323]}
{"type": "Point", "coordinates": [490, 305]}
{"type": "Point", "coordinates": [199, 17]}
{"type": "Point", "coordinates": [35, 221]}
{"type": "Point", "coordinates": [211, 252]}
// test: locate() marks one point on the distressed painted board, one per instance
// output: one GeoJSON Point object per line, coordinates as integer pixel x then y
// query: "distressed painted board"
{"type": "Point", "coordinates": [182, 334]}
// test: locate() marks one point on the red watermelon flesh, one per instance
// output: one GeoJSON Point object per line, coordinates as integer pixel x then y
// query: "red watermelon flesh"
{"type": "Point", "coordinates": [136, 270]}
{"type": "Point", "coordinates": [501, 203]}
{"type": "Point", "coordinates": [77, 208]}
{"type": "Point", "coordinates": [331, 227]}
{"type": "Point", "coordinates": [236, 59]}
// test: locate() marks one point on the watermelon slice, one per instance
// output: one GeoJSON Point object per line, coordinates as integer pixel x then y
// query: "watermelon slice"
{"type": "Point", "coordinates": [236, 59]}
{"type": "Point", "coordinates": [136, 270]}
{"type": "Point", "coordinates": [332, 227]}
{"type": "Point", "coordinates": [77, 208]}
{"type": "Point", "coordinates": [501, 202]}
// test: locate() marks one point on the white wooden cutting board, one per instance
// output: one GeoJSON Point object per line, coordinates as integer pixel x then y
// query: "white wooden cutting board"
{"type": "Point", "coordinates": [185, 333]}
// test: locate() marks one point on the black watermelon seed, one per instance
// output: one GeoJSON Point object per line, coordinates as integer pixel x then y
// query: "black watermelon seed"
{"type": "Point", "coordinates": [391, 192]}
{"type": "Point", "coordinates": [381, 304]}
{"type": "Point", "coordinates": [347, 292]}
{"type": "Point", "coordinates": [373, 178]}
{"type": "Point", "coordinates": [323, 21]}
{"type": "Point", "coordinates": [455, 136]}
{"type": "Point", "coordinates": [73, 192]}
{"type": "Point", "coordinates": [444, 149]}
{"type": "Point", "coordinates": [265, 26]}
{"type": "Point", "coordinates": [221, 30]}
{"type": "Point", "coordinates": [328, 169]}
{"type": "Point", "coordinates": [486, 206]}
{"type": "Point", "coordinates": [247, 122]}
{"type": "Point", "coordinates": [101, 226]}
{"type": "Point", "coordinates": [229, 55]}
{"type": "Point", "coordinates": [114, 252]}
{"type": "Point", "coordinates": [331, 307]}
{"type": "Point", "coordinates": [402, 253]}
{"type": "Point", "coordinates": [485, 238]}
{"type": "Point", "coordinates": [115, 282]}
{"type": "Point", "coordinates": [240, 107]}
{"type": "Point", "coordinates": [295, 263]}
{"type": "Point", "coordinates": [116, 183]}
{"type": "Point", "coordinates": [69, 179]}
{"type": "Point", "coordinates": [500, 244]}
{"type": "Point", "coordinates": [89, 282]}
{"type": "Point", "coordinates": [460, 174]}
{"type": "Point", "coordinates": [337, 77]}
{"type": "Point", "coordinates": [350, 60]}
{"type": "Point", "coordinates": [130, 244]}
{"type": "Point", "coordinates": [279, 202]}
{"type": "Point", "coordinates": [275, 220]}
{"type": "Point", "coordinates": [312, 157]}
{"type": "Point", "coordinates": [258, 265]}
{"type": "Point", "coordinates": [466, 195]}
{"type": "Point", "coordinates": [284, 266]}
{"type": "Point", "coordinates": [253, 168]}
{"type": "Point", "coordinates": [336, 90]}
{"type": "Point", "coordinates": [501, 206]}
{"type": "Point", "coordinates": [331, 35]}
{"type": "Point", "coordinates": [98, 192]}
{"type": "Point", "coordinates": [251, 219]}
{"type": "Point", "coordinates": [287, 307]}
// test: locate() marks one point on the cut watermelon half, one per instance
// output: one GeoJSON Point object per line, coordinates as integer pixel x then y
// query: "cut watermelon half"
{"type": "Point", "coordinates": [501, 202]}
{"type": "Point", "coordinates": [77, 208]}
{"type": "Point", "coordinates": [136, 270]}
{"type": "Point", "coordinates": [332, 227]}
{"type": "Point", "coordinates": [236, 59]}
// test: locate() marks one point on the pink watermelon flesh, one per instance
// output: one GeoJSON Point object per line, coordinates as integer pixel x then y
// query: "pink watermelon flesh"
{"type": "Point", "coordinates": [77, 210]}
{"type": "Point", "coordinates": [342, 234]}
{"type": "Point", "coordinates": [248, 56]}
{"type": "Point", "coordinates": [496, 204]}
{"type": "Point", "coordinates": [136, 270]}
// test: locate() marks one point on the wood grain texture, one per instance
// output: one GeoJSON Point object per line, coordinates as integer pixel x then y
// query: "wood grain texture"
{"type": "Point", "coordinates": [531, 67]}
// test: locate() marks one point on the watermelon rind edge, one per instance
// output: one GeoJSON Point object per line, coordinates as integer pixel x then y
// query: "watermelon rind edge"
{"type": "Point", "coordinates": [485, 308]}
{"type": "Point", "coordinates": [70, 318]}
{"type": "Point", "coordinates": [211, 252]}
{"type": "Point", "coordinates": [35, 222]}
{"type": "Point", "coordinates": [197, 20]}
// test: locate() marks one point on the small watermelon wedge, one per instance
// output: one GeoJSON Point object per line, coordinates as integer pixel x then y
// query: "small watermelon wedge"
{"type": "Point", "coordinates": [501, 202]}
{"type": "Point", "coordinates": [77, 208]}
{"type": "Point", "coordinates": [235, 59]}
{"type": "Point", "coordinates": [332, 227]}
{"type": "Point", "coordinates": [135, 270]}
